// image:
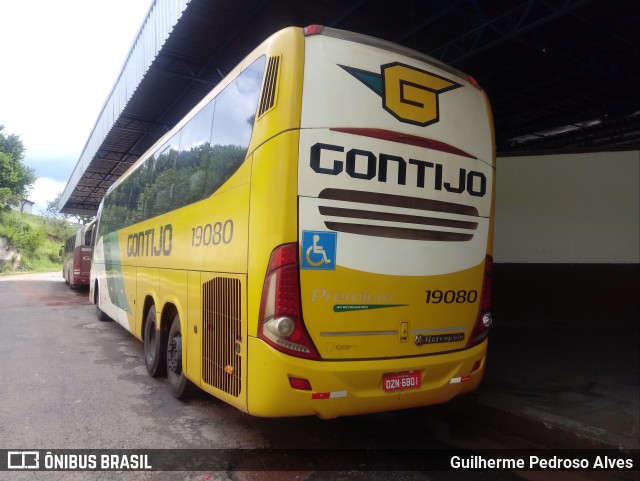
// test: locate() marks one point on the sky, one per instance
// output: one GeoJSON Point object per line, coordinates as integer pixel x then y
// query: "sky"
{"type": "Point", "coordinates": [60, 60]}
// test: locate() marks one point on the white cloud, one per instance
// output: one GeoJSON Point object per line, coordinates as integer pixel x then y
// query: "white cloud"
{"type": "Point", "coordinates": [45, 190]}
{"type": "Point", "coordinates": [60, 60]}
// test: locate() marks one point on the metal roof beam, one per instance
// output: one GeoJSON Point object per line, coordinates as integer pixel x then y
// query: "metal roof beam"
{"type": "Point", "coordinates": [505, 27]}
{"type": "Point", "coordinates": [612, 135]}
{"type": "Point", "coordinates": [613, 109]}
{"type": "Point", "coordinates": [350, 10]}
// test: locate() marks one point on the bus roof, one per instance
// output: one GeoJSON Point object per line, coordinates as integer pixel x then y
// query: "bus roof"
{"type": "Point", "coordinates": [384, 44]}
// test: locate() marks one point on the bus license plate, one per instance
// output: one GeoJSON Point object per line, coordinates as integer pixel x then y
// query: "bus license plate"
{"type": "Point", "coordinates": [396, 381]}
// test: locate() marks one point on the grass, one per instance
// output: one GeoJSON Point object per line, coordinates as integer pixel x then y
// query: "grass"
{"type": "Point", "coordinates": [41, 251]}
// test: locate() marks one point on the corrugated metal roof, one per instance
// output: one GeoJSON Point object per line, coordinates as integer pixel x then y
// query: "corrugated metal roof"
{"type": "Point", "coordinates": [105, 157]}
{"type": "Point", "coordinates": [561, 76]}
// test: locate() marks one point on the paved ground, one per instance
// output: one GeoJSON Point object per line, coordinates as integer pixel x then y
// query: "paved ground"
{"type": "Point", "coordinates": [581, 387]}
{"type": "Point", "coordinates": [70, 381]}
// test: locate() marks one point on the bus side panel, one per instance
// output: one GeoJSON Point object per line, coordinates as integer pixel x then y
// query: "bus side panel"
{"type": "Point", "coordinates": [199, 236]}
{"type": "Point", "coordinates": [99, 275]}
{"type": "Point", "coordinates": [67, 268]}
{"type": "Point", "coordinates": [147, 285]}
{"type": "Point", "coordinates": [287, 44]}
{"type": "Point", "coordinates": [127, 318]}
{"type": "Point", "coordinates": [193, 326]}
{"type": "Point", "coordinates": [173, 290]}
{"type": "Point", "coordinates": [273, 211]}
{"type": "Point", "coordinates": [212, 235]}
{"type": "Point", "coordinates": [493, 178]}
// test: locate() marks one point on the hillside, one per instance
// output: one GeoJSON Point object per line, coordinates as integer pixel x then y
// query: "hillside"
{"type": "Point", "coordinates": [35, 239]}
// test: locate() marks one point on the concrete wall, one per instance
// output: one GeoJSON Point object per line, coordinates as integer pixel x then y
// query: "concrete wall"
{"type": "Point", "coordinates": [567, 240]}
{"type": "Point", "coordinates": [577, 208]}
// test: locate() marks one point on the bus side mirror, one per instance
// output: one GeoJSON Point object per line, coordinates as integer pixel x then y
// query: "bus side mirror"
{"type": "Point", "coordinates": [60, 252]}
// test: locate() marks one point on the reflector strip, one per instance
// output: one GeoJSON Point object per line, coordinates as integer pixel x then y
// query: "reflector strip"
{"type": "Point", "coordinates": [328, 395]}
{"type": "Point", "coordinates": [457, 380]}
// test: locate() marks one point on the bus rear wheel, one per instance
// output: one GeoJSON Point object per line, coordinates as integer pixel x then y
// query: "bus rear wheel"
{"type": "Point", "coordinates": [181, 387]}
{"type": "Point", "coordinates": [154, 351]}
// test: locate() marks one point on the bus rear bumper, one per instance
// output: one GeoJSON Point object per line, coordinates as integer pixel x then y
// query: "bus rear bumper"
{"type": "Point", "coordinates": [340, 388]}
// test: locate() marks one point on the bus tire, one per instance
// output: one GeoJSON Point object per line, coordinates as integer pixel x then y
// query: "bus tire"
{"type": "Point", "coordinates": [154, 347]}
{"type": "Point", "coordinates": [181, 387]}
{"type": "Point", "coordinates": [102, 317]}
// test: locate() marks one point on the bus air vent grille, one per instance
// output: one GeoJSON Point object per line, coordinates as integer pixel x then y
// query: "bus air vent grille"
{"type": "Point", "coordinates": [221, 337]}
{"type": "Point", "coordinates": [397, 217]}
{"type": "Point", "coordinates": [268, 98]}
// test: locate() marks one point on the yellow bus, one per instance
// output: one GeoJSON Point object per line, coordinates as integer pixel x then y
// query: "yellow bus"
{"type": "Point", "coordinates": [315, 236]}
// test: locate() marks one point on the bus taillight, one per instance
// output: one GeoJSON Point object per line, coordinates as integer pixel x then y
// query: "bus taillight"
{"type": "Point", "coordinates": [474, 82]}
{"type": "Point", "coordinates": [485, 319]}
{"type": "Point", "coordinates": [281, 324]}
{"type": "Point", "coordinates": [313, 30]}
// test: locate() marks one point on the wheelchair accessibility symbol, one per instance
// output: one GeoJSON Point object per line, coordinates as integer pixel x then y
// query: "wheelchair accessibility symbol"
{"type": "Point", "coordinates": [319, 250]}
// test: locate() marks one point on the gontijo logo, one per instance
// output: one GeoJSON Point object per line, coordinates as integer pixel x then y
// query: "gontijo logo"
{"type": "Point", "coordinates": [408, 93]}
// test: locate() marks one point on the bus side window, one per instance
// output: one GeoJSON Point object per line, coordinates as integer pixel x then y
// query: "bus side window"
{"type": "Point", "coordinates": [195, 154]}
{"type": "Point", "coordinates": [233, 125]}
{"type": "Point", "coordinates": [160, 192]}
{"type": "Point", "coordinates": [190, 166]}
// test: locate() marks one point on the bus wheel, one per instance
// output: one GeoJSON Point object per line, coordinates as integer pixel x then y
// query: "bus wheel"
{"type": "Point", "coordinates": [181, 387]}
{"type": "Point", "coordinates": [154, 352]}
{"type": "Point", "coordinates": [102, 317]}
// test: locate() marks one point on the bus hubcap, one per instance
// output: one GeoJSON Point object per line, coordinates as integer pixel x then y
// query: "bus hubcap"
{"type": "Point", "coordinates": [174, 355]}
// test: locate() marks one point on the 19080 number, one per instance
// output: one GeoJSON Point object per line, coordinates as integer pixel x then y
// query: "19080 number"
{"type": "Point", "coordinates": [212, 234]}
{"type": "Point", "coordinates": [451, 297]}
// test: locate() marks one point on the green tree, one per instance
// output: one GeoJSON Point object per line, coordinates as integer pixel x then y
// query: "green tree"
{"type": "Point", "coordinates": [54, 213]}
{"type": "Point", "coordinates": [22, 236]}
{"type": "Point", "coordinates": [16, 179]}
{"type": "Point", "coordinates": [52, 208]}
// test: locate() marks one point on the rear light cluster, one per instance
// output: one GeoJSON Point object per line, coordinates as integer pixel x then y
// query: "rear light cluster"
{"type": "Point", "coordinates": [485, 319]}
{"type": "Point", "coordinates": [281, 325]}
{"type": "Point", "coordinates": [474, 82]}
{"type": "Point", "coordinates": [313, 30]}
